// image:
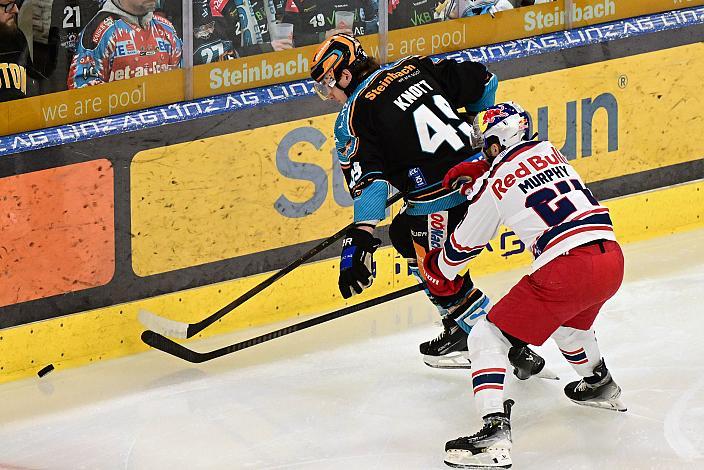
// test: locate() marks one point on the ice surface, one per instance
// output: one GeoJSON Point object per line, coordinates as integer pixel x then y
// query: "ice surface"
{"type": "Point", "coordinates": [354, 393]}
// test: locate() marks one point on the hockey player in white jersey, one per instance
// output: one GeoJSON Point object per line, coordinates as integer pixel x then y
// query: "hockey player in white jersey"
{"type": "Point", "coordinates": [531, 188]}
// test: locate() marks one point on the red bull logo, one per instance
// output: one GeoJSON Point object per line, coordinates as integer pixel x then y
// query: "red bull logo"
{"type": "Point", "coordinates": [491, 114]}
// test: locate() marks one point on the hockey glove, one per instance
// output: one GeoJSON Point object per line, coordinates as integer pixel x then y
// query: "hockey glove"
{"type": "Point", "coordinates": [463, 175]}
{"type": "Point", "coordinates": [356, 260]}
{"type": "Point", "coordinates": [437, 283]}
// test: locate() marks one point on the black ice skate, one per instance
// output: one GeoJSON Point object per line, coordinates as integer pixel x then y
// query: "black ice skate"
{"type": "Point", "coordinates": [527, 363]}
{"type": "Point", "coordinates": [449, 349]}
{"type": "Point", "coordinates": [489, 448]}
{"type": "Point", "coordinates": [599, 390]}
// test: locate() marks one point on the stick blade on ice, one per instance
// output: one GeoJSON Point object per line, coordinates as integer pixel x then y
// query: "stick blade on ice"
{"type": "Point", "coordinates": [163, 326]}
{"type": "Point", "coordinates": [168, 346]}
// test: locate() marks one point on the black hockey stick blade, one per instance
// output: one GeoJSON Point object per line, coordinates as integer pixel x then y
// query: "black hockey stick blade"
{"type": "Point", "coordinates": [169, 346]}
{"type": "Point", "coordinates": [177, 329]}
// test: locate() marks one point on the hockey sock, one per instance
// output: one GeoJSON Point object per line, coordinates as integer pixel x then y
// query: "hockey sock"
{"type": "Point", "coordinates": [580, 349]}
{"type": "Point", "coordinates": [470, 315]}
{"type": "Point", "coordinates": [488, 351]}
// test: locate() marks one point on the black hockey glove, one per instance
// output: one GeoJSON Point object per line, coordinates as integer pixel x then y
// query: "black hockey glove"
{"type": "Point", "coordinates": [356, 261]}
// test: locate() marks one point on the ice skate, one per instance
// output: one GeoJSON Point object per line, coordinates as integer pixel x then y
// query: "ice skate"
{"type": "Point", "coordinates": [527, 363]}
{"type": "Point", "coordinates": [449, 349]}
{"type": "Point", "coordinates": [489, 448]}
{"type": "Point", "coordinates": [599, 390]}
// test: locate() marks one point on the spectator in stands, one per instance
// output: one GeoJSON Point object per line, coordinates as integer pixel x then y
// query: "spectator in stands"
{"type": "Point", "coordinates": [15, 60]}
{"type": "Point", "coordinates": [124, 40]}
{"type": "Point", "coordinates": [467, 8]}
{"type": "Point", "coordinates": [408, 13]}
{"type": "Point", "coordinates": [172, 10]}
{"type": "Point", "coordinates": [68, 18]}
{"type": "Point", "coordinates": [314, 20]}
{"type": "Point", "coordinates": [527, 3]}
{"type": "Point", "coordinates": [265, 13]}
{"type": "Point", "coordinates": [228, 29]}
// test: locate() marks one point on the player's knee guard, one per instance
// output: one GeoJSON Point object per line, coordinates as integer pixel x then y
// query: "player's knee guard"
{"type": "Point", "coordinates": [579, 347]}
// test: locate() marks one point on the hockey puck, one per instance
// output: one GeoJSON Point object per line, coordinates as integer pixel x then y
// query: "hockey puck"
{"type": "Point", "coordinates": [45, 370]}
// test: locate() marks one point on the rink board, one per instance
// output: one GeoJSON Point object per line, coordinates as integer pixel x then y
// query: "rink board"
{"type": "Point", "coordinates": [283, 185]}
{"type": "Point", "coordinates": [202, 208]}
{"type": "Point", "coordinates": [114, 331]}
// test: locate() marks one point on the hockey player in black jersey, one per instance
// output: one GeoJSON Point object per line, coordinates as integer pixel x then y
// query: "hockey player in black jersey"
{"type": "Point", "coordinates": [398, 127]}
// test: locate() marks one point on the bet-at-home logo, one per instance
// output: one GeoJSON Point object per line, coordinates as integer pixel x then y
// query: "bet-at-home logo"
{"type": "Point", "coordinates": [578, 116]}
{"type": "Point", "coordinates": [538, 20]}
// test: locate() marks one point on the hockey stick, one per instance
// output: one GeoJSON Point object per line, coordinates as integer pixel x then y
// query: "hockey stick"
{"type": "Point", "coordinates": [168, 346]}
{"type": "Point", "coordinates": [177, 329]}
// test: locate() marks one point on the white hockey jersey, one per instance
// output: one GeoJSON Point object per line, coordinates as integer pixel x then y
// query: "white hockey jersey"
{"type": "Point", "coordinates": [531, 188]}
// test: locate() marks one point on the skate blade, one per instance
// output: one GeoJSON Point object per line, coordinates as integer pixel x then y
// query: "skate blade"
{"type": "Point", "coordinates": [458, 360]}
{"type": "Point", "coordinates": [547, 374]}
{"type": "Point", "coordinates": [481, 461]}
{"type": "Point", "coordinates": [613, 404]}
{"type": "Point", "coordinates": [472, 467]}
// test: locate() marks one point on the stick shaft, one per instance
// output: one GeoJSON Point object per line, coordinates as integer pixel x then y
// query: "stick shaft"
{"type": "Point", "coordinates": [196, 328]}
{"type": "Point", "coordinates": [168, 346]}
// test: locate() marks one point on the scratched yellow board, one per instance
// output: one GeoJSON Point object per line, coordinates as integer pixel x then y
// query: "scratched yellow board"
{"type": "Point", "coordinates": [70, 106]}
{"type": "Point", "coordinates": [645, 107]}
{"type": "Point", "coordinates": [114, 331]}
{"type": "Point", "coordinates": [227, 196]}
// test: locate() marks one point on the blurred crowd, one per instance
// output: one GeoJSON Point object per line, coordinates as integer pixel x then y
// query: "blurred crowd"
{"type": "Point", "coordinates": [54, 45]}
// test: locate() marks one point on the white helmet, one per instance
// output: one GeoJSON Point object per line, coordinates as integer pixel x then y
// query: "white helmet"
{"type": "Point", "coordinates": [506, 122]}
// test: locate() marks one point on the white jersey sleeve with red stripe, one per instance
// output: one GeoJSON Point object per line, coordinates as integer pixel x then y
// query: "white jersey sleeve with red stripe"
{"type": "Point", "coordinates": [531, 188]}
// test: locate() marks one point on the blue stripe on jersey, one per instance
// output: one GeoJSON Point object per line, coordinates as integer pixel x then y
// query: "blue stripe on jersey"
{"type": "Point", "coordinates": [371, 204]}
{"type": "Point", "coordinates": [596, 219]}
{"type": "Point", "coordinates": [488, 97]}
{"type": "Point", "coordinates": [441, 204]}
{"type": "Point", "coordinates": [454, 256]}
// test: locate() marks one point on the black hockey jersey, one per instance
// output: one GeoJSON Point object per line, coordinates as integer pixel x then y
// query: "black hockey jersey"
{"type": "Point", "coordinates": [312, 18]}
{"type": "Point", "coordinates": [408, 13]}
{"type": "Point", "coordinates": [15, 66]}
{"type": "Point", "coordinates": [68, 18]}
{"type": "Point", "coordinates": [224, 29]}
{"type": "Point", "coordinates": [400, 127]}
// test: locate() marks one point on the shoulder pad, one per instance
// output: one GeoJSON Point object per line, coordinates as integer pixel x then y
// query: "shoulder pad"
{"type": "Point", "coordinates": [96, 29]}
